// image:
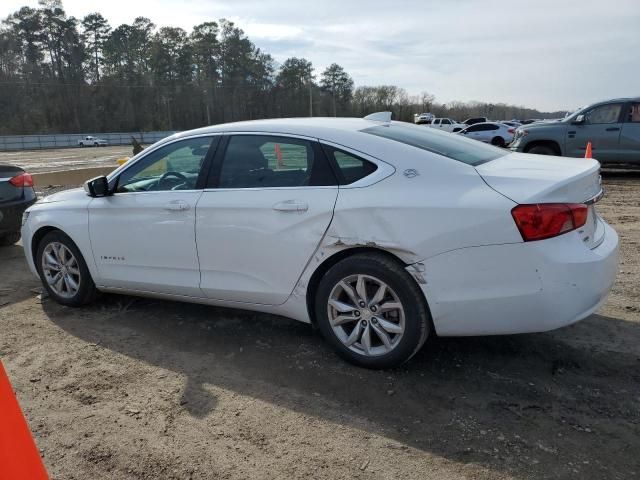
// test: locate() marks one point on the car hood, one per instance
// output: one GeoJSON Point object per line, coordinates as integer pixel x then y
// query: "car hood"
{"type": "Point", "coordinates": [528, 178]}
{"type": "Point", "coordinates": [77, 194]}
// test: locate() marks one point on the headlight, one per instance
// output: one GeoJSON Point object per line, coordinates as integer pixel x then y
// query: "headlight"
{"type": "Point", "coordinates": [25, 217]}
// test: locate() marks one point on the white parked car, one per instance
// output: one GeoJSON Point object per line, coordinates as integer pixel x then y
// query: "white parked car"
{"type": "Point", "coordinates": [89, 141]}
{"type": "Point", "coordinates": [381, 233]}
{"type": "Point", "coordinates": [446, 125]}
{"type": "Point", "coordinates": [495, 133]}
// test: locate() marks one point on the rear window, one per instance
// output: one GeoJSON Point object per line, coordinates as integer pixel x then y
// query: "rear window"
{"type": "Point", "coordinates": [448, 145]}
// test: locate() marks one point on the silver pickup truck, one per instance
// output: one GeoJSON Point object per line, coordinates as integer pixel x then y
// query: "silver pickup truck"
{"type": "Point", "coordinates": [612, 127]}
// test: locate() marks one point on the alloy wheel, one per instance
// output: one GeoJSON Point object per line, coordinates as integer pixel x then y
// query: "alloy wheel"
{"type": "Point", "coordinates": [61, 270]}
{"type": "Point", "coordinates": [366, 315]}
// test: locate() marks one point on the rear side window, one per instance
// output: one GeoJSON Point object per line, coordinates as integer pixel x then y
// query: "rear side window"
{"type": "Point", "coordinates": [350, 168]}
{"type": "Point", "coordinates": [634, 113]}
{"type": "Point", "coordinates": [260, 161]}
{"type": "Point", "coordinates": [451, 146]}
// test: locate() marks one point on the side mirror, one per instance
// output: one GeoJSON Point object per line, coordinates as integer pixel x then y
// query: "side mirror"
{"type": "Point", "coordinates": [578, 120]}
{"type": "Point", "coordinates": [97, 187]}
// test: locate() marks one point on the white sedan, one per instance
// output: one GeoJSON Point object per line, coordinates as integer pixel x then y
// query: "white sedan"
{"type": "Point", "coordinates": [495, 133]}
{"type": "Point", "coordinates": [380, 233]}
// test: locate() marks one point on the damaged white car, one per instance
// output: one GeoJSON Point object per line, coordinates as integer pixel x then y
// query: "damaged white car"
{"type": "Point", "coordinates": [381, 233]}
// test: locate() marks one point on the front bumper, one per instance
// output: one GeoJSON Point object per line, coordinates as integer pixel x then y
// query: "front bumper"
{"type": "Point", "coordinates": [519, 288]}
{"type": "Point", "coordinates": [517, 144]}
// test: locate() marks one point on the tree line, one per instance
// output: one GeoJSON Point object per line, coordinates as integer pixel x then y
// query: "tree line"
{"type": "Point", "coordinates": [60, 74]}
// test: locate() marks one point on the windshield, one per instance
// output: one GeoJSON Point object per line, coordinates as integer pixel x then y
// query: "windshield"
{"type": "Point", "coordinates": [449, 145]}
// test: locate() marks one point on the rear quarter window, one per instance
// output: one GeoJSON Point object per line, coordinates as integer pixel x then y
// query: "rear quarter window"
{"type": "Point", "coordinates": [448, 145]}
{"type": "Point", "coordinates": [350, 168]}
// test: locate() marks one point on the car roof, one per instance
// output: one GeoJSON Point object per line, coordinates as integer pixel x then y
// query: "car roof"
{"type": "Point", "coordinates": [306, 126]}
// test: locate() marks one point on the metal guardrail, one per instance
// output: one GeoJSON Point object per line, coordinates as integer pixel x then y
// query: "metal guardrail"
{"type": "Point", "coordinates": [38, 142]}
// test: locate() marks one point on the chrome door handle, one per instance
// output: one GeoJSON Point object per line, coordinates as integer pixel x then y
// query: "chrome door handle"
{"type": "Point", "coordinates": [177, 206]}
{"type": "Point", "coordinates": [291, 206]}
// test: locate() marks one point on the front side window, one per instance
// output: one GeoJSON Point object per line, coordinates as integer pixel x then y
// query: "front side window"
{"type": "Point", "coordinates": [261, 161]}
{"type": "Point", "coordinates": [446, 121]}
{"type": "Point", "coordinates": [455, 147]}
{"type": "Point", "coordinates": [175, 166]}
{"type": "Point", "coordinates": [604, 114]}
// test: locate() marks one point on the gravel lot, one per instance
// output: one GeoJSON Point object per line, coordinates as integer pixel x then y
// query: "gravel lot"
{"type": "Point", "coordinates": [37, 161]}
{"type": "Point", "coordinates": [132, 388]}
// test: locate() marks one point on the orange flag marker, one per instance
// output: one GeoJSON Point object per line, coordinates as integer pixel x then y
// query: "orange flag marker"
{"type": "Point", "coordinates": [278, 152]}
{"type": "Point", "coordinates": [587, 153]}
{"type": "Point", "coordinates": [19, 456]}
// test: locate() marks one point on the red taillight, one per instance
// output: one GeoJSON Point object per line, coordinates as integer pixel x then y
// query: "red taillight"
{"type": "Point", "coordinates": [511, 130]}
{"type": "Point", "coordinates": [546, 220]}
{"type": "Point", "coordinates": [22, 180]}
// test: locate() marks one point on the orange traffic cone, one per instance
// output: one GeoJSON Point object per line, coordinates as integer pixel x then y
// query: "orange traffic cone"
{"type": "Point", "coordinates": [587, 153]}
{"type": "Point", "coordinates": [19, 456]}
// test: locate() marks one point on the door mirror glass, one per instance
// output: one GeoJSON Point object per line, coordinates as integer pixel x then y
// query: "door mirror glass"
{"type": "Point", "coordinates": [578, 120]}
{"type": "Point", "coordinates": [97, 187]}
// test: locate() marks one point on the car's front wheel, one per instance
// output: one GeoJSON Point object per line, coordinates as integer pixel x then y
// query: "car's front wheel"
{"type": "Point", "coordinates": [63, 271]}
{"type": "Point", "coordinates": [371, 311]}
{"type": "Point", "coordinates": [541, 150]}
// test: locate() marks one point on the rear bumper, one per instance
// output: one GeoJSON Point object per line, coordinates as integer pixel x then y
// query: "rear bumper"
{"type": "Point", "coordinates": [519, 288]}
{"type": "Point", "coordinates": [11, 214]}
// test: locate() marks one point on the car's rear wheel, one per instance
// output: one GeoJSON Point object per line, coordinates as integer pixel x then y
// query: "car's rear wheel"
{"type": "Point", "coordinates": [497, 141]}
{"type": "Point", "coordinates": [63, 271]}
{"type": "Point", "coordinates": [371, 311]}
{"type": "Point", "coordinates": [541, 150]}
{"type": "Point", "coordinates": [8, 239]}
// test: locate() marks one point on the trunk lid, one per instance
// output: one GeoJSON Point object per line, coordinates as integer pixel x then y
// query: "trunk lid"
{"type": "Point", "coordinates": [527, 178]}
{"type": "Point", "coordinates": [9, 192]}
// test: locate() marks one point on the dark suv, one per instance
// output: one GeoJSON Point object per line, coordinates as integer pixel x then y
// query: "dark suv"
{"type": "Point", "coordinates": [474, 120]}
{"type": "Point", "coordinates": [612, 127]}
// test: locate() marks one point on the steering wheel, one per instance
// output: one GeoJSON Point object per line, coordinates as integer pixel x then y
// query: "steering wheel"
{"type": "Point", "coordinates": [165, 175]}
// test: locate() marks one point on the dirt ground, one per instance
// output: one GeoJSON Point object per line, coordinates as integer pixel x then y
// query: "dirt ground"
{"type": "Point", "coordinates": [142, 389]}
{"type": "Point", "coordinates": [37, 161]}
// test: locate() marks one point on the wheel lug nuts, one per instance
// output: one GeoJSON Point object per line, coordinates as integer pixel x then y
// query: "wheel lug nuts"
{"type": "Point", "coordinates": [364, 323]}
{"type": "Point", "coordinates": [362, 304]}
{"type": "Point", "coordinates": [374, 309]}
{"type": "Point", "coordinates": [356, 313]}
{"type": "Point", "coordinates": [374, 321]}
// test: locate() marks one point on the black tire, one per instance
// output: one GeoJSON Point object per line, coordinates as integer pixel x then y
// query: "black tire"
{"type": "Point", "coordinates": [95, 144]}
{"type": "Point", "coordinates": [8, 239]}
{"type": "Point", "coordinates": [498, 142]}
{"type": "Point", "coordinates": [391, 272]}
{"type": "Point", "coordinates": [87, 289]}
{"type": "Point", "coordinates": [541, 150]}
{"type": "Point", "coordinates": [82, 144]}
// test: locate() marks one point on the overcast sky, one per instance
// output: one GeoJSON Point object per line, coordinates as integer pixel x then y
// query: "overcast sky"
{"type": "Point", "coordinates": [546, 54]}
